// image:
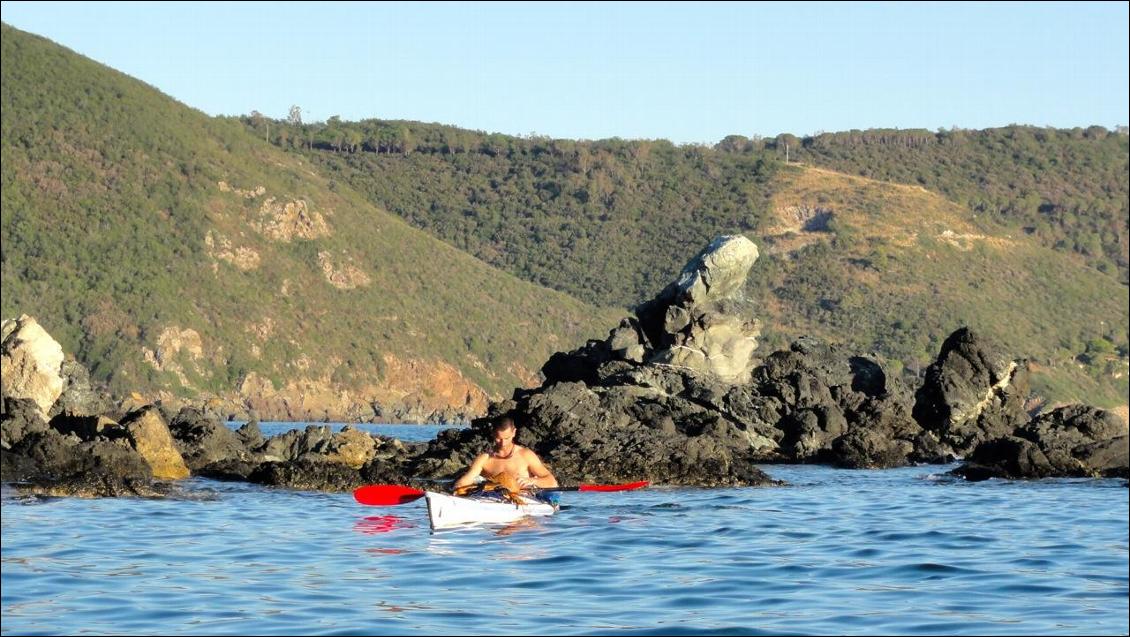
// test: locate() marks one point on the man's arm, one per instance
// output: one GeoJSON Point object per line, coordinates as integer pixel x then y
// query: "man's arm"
{"type": "Point", "coordinates": [472, 473]}
{"type": "Point", "coordinates": [540, 475]}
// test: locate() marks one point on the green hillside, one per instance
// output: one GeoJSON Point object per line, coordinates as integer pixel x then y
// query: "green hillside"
{"type": "Point", "coordinates": [173, 251]}
{"type": "Point", "coordinates": [176, 252]}
{"type": "Point", "coordinates": [897, 268]}
{"type": "Point", "coordinates": [611, 222]}
{"type": "Point", "coordinates": [1067, 189]}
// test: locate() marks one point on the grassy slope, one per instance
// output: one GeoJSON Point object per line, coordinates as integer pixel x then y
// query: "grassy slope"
{"type": "Point", "coordinates": [110, 189]}
{"type": "Point", "coordinates": [902, 267]}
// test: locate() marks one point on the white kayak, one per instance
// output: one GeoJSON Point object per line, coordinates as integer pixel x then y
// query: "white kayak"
{"type": "Point", "coordinates": [446, 511]}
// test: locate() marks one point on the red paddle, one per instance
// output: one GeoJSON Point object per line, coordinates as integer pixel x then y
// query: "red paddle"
{"type": "Point", "coordinates": [386, 494]}
{"type": "Point", "coordinates": [393, 494]}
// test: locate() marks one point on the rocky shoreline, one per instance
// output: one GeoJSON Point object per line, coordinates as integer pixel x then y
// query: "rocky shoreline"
{"type": "Point", "coordinates": [674, 395]}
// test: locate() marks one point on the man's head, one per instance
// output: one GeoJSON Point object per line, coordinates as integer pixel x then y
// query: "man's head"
{"type": "Point", "coordinates": [504, 431]}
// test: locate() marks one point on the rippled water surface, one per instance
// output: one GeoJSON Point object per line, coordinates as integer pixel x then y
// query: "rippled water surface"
{"type": "Point", "coordinates": [900, 551]}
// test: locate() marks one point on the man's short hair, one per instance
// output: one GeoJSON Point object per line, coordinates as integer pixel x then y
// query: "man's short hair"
{"type": "Point", "coordinates": [504, 423]}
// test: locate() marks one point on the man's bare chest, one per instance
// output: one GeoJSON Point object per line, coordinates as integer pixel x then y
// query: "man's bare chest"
{"type": "Point", "coordinates": [514, 465]}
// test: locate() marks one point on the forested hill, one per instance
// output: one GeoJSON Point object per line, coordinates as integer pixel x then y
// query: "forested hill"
{"type": "Point", "coordinates": [1067, 189]}
{"type": "Point", "coordinates": [1020, 232]}
{"type": "Point", "coordinates": [178, 255]}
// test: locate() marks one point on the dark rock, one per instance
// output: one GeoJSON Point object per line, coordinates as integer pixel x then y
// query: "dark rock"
{"type": "Point", "coordinates": [626, 342]}
{"type": "Point", "coordinates": [882, 435]}
{"type": "Point", "coordinates": [394, 470]}
{"type": "Point", "coordinates": [292, 445]}
{"type": "Point", "coordinates": [57, 464]}
{"type": "Point", "coordinates": [1008, 457]}
{"type": "Point", "coordinates": [1072, 441]}
{"type": "Point", "coordinates": [79, 398]}
{"type": "Point", "coordinates": [16, 467]}
{"type": "Point", "coordinates": [835, 408]}
{"type": "Point", "coordinates": [250, 434]}
{"type": "Point", "coordinates": [203, 440]}
{"type": "Point", "coordinates": [929, 450]}
{"type": "Point", "coordinates": [88, 427]}
{"type": "Point", "coordinates": [1079, 440]}
{"type": "Point", "coordinates": [308, 475]}
{"type": "Point", "coordinates": [229, 469]}
{"type": "Point", "coordinates": [577, 366]}
{"type": "Point", "coordinates": [810, 430]}
{"type": "Point", "coordinates": [869, 449]}
{"type": "Point", "coordinates": [21, 417]}
{"type": "Point", "coordinates": [972, 393]}
{"type": "Point", "coordinates": [867, 377]}
{"type": "Point", "coordinates": [452, 451]}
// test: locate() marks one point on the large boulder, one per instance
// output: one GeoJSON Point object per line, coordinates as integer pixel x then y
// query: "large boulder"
{"type": "Point", "coordinates": [701, 321]}
{"type": "Point", "coordinates": [30, 363]}
{"type": "Point", "coordinates": [150, 436]}
{"type": "Point", "coordinates": [973, 393]}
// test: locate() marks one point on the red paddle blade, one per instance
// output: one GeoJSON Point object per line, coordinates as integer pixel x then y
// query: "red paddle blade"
{"type": "Point", "coordinates": [386, 494]}
{"type": "Point", "coordinates": [628, 486]}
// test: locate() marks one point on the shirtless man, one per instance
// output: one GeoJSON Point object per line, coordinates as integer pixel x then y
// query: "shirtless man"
{"type": "Point", "coordinates": [522, 464]}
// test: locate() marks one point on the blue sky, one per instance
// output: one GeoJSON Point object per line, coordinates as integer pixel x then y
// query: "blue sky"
{"type": "Point", "coordinates": [684, 72]}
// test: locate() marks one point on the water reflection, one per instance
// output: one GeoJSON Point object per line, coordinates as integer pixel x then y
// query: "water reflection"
{"type": "Point", "coordinates": [519, 526]}
{"type": "Point", "coordinates": [379, 524]}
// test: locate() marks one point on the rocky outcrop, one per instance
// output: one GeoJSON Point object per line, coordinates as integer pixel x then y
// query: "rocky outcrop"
{"type": "Point", "coordinates": [30, 363]}
{"type": "Point", "coordinates": [150, 436]}
{"type": "Point", "coordinates": [343, 276]}
{"type": "Point", "coordinates": [79, 397]}
{"type": "Point", "coordinates": [974, 392]}
{"type": "Point", "coordinates": [829, 406]}
{"type": "Point", "coordinates": [1075, 440]}
{"type": "Point", "coordinates": [673, 395]}
{"type": "Point", "coordinates": [286, 221]}
{"type": "Point", "coordinates": [597, 434]}
{"type": "Point", "coordinates": [96, 456]}
{"type": "Point", "coordinates": [701, 321]}
{"type": "Point", "coordinates": [50, 463]}
{"type": "Point", "coordinates": [203, 440]}
{"type": "Point", "coordinates": [221, 248]}
{"type": "Point", "coordinates": [90, 458]}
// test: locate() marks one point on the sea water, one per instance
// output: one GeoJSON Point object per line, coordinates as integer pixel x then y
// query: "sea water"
{"type": "Point", "coordinates": [906, 551]}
